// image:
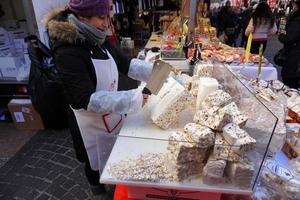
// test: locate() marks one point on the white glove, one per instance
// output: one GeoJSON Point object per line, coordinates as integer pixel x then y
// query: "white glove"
{"type": "Point", "coordinates": [140, 70]}
{"type": "Point", "coordinates": [121, 102]}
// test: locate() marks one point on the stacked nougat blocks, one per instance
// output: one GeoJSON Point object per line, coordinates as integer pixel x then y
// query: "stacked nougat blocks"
{"type": "Point", "coordinates": [188, 150]}
{"type": "Point", "coordinates": [231, 143]}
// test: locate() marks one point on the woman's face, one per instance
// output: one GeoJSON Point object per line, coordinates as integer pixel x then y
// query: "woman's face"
{"type": "Point", "coordinates": [100, 22]}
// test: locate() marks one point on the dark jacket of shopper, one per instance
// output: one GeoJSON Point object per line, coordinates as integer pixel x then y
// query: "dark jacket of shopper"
{"type": "Point", "coordinates": [291, 41]}
{"type": "Point", "coordinates": [73, 58]}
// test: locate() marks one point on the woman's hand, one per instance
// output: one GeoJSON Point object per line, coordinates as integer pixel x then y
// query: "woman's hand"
{"type": "Point", "coordinates": [145, 99]}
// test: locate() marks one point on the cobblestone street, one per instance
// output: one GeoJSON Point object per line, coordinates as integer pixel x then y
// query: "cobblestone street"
{"type": "Point", "coordinates": [45, 168]}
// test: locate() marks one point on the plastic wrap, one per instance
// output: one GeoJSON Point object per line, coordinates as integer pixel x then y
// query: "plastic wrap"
{"type": "Point", "coordinates": [121, 102]}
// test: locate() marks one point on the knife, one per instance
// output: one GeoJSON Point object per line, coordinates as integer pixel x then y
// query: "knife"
{"type": "Point", "coordinates": [160, 73]}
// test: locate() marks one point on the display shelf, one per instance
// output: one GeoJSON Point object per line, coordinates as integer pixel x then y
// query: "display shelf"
{"type": "Point", "coordinates": [139, 137]}
{"type": "Point", "coordinates": [12, 82]}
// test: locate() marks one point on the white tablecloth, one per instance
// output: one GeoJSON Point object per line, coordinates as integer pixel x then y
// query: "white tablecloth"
{"type": "Point", "coordinates": [268, 72]}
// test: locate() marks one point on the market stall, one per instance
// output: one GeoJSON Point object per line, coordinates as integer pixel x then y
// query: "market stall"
{"type": "Point", "coordinates": [216, 127]}
{"type": "Point", "coordinates": [155, 137]}
{"type": "Point", "coordinates": [269, 72]}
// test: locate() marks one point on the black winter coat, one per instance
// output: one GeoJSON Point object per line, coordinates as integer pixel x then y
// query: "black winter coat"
{"type": "Point", "coordinates": [291, 41]}
{"type": "Point", "coordinates": [73, 58]}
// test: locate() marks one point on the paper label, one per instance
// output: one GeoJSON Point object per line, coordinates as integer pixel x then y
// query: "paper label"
{"type": "Point", "coordinates": [19, 117]}
{"type": "Point", "coordinates": [19, 43]}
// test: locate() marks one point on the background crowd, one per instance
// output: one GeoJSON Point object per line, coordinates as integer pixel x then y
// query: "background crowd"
{"type": "Point", "coordinates": [235, 24]}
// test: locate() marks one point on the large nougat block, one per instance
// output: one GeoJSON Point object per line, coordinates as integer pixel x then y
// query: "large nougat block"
{"type": "Point", "coordinates": [236, 116]}
{"type": "Point", "coordinates": [168, 108]}
{"type": "Point", "coordinates": [201, 135]}
{"type": "Point", "coordinates": [211, 118]}
{"type": "Point", "coordinates": [239, 139]}
{"type": "Point", "coordinates": [206, 86]}
{"type": "Point", "coordinates": [155, 99]}
{"type": "Point", "coordinates": [218, 98]}
{"type": "Point", "coordinates": [185, 158]}
{"type": "Point", "coordinates": [182, 150]}
{"type": "Point", "coordinates": [240, 173]}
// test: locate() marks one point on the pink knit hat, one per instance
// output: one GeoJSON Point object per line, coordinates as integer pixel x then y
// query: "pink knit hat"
{"type": "Point", "coordinates": [89, 8]}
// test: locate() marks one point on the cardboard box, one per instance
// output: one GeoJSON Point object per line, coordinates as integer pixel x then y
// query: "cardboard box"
{"type": "Point", "coordinates": [143, 193]}
{"type": "Point", "coordinates": [24, 115]}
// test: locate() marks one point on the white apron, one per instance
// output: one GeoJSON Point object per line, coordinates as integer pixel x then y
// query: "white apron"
{"type": "Point", "coordinates": [98, 130]}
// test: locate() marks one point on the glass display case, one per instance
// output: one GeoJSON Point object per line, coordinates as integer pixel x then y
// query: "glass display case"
{"type": "Point", "coordinates": [171, 48]}
{"type": "Point", "coordinates": [145, 155]}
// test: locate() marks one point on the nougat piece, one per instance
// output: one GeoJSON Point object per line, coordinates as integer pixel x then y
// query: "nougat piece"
{"type": "Point", "coordinates": [211, 118]}
{"type": "Point", "coordinates": [213, 171]}
{"type": "Point", "coordinates": [185, 158]}
{"type": "Point", "coordinates": [185, 80]}
{"type": "Point", "coordinates": [218, 98]}
{"type": "Point", "coordinates": [236, 156]}
{"type": "Point", "coordinates": [244, 144]}
{"type": "Point", "coordinates": [239, 139]}
{"type": "Point", "coordinates": [189, 170]}
{"type": "Point", "coordinates": [206, 86]}
{"type": "Point", "coordinates": [232, 132]}
{"type": "Point", "coordinates": [231, 109]}
{"type": "Point", "coordinates": [215, 168]}
{"type": "Point", "coordinates": [236, 116]}
{"type": "Point", "coordinates": [208, 175]}
{"type": "Point", "coordinates": [178, 139]}
{"type": "Point", "coordinates": [204, 137]}
{"type": "Point", "coordinates": [182, 150]}
{"type": "Point", "coordinates": [240, 120]}
{"type": "Point", "coordinates": [240, 173]}
{"type": "Point", "coordinates": [204, 70]}
{"type": "Point", "coordinates": [223, 150]}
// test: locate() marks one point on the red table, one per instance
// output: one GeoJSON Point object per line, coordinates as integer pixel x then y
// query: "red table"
{"type": "Point", "coordinates": [121, 193]}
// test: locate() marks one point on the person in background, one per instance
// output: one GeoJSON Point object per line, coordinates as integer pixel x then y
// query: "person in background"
{"type": "Point", "coordinates": [238, 23]}
{"type": "Point", "coordinates": [220, 17]}
{"type": "Point", "coordinates": [212, 15]}
{"type": "Point", "coordinates": [291, 40]}
{"type": "Point", "coordinates": [89, 67]}
{"type": "Point", "coordinates": [228, 26]}
{"type": "Point", "coordinates": [245, 19]}
{"type": "Point", "coordinates": [261, 25]}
